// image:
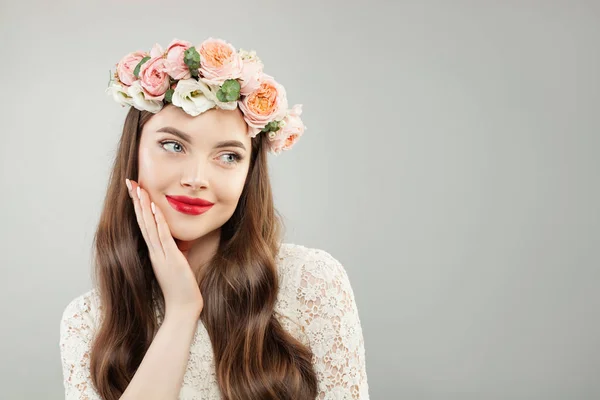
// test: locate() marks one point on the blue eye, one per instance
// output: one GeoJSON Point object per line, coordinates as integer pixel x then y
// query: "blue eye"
{"type": "Point", "coordinates": [172, 142]}
{"type": "Point", "coordinates": [236, 158]}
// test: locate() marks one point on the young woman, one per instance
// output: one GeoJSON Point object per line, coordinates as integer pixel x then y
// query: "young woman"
{"type": "Point", "coordinates": [195, 297]}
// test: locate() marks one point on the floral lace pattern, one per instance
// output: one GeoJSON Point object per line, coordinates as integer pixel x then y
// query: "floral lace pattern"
{"type": "Point", "coordinates": [315, 304]}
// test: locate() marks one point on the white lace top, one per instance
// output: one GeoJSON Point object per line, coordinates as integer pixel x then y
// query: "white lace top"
{"type": "Point", "coordinates": [315, 304]}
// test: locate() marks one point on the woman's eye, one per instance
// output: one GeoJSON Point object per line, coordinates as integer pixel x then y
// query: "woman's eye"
{"type": "Point", "coordinates": [176, 145]}
{"type": "Point", "coordinates": [228, 158]}
{"type": "Point", "coordinates": [231, 158]}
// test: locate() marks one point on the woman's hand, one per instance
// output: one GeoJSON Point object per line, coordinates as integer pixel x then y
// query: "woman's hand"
{"type": "Point", "coordinates": [171, 268]}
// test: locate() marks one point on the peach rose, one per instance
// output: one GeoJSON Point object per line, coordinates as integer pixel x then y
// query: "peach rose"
{"type": "Point", "coordinates": [174, 64]}
{"type": "Point", "coordinates": [251, 72]}
{"type": "Point", "coordinates": [127, 65]}
{"type": "Point", "coordinates": [219, 61]}
{"type": "Point", "coordinates": [267, 103]}
{"type": "Point", "coordinates": [292, 128]}
{"type": "Point", "coordinates": [153, 76]}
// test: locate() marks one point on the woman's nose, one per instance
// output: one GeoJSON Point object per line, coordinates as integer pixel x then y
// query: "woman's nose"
{"type": "Point", "coordinates": [196, 176]}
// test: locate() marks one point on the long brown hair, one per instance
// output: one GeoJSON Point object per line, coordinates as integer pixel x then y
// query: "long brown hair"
{"type": "Point", "coordinates": [255, 358]}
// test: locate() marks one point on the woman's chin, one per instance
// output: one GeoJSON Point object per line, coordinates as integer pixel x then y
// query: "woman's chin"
{"type": "Point", "coordinates": [185, 236]}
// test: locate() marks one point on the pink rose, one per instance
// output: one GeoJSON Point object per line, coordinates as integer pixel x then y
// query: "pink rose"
{"type": "Point", "coordinates": [127, 65]}
{"type": "Point", "coordinates": [157, 51]}
{"type": "Point", "coordinates": [288, 135]}
{"type": "Point", "coordinates": [218, 62]}
{"type": "Point", "coordinates": [251, 72]}
{"type": "Point", "coordinates": [153, 76]}
{"type": "Point", "coordinates": [267, 103]}
{"type": "Point", "coordinates": [174, 64]}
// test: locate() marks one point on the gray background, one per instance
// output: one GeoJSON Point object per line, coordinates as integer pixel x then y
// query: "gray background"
{"type": "Point", "coordinates": [450, 163]}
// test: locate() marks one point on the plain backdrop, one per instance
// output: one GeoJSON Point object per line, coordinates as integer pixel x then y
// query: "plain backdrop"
{"type": "Point", "coordinates": [450, 163]}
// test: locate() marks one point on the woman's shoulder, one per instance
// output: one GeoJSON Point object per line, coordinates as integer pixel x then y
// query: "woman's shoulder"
{"type": "Point", "coordinates": [298, 252]}
{"type": "Point", "coordinates": [83, 309]}
{"type": "Point", "coordinates": [299, 261]}
{"type": "Point", "coordinates": [306, 274]}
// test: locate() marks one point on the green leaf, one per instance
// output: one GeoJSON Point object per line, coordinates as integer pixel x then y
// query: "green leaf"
{"type": "Point", "coordinates": [191, 58]}
{"type": "Point", "coordinates": [231, 89]}
{"type": "Point", "coordinates": [169, 95]}
{"type": "Point", "coordinates": [136, 71]}
{"type": "Point", "coordinates": [272, 126]}
{"type": "Point", "coordinates": [222, 96]}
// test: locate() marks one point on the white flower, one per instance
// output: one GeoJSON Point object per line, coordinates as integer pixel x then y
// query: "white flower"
{"type": "Point", "coordinates": [119, 93]}
{"type": "Point", "coordinates": [139, 100]}
{"type": "Point", "coordinates": [231, 105]}
{"type": "Point", "coordinates": [248, 55]}
{"type": "Point", "coordinates": [194, 97]}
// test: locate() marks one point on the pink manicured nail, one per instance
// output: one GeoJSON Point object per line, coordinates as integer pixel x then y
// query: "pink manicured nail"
{"type": "Point", "coordinates": [153, 208]}
{"type": "Point", "coordinates": [139, 193]}
{"type": "Point", "coordinates": [128, 183]}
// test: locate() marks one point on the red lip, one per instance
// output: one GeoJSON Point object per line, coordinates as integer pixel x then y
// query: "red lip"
{"type": "Point", "coordinates": [192, 209]}
{"type": "Point", "coordinates": [195, 201]}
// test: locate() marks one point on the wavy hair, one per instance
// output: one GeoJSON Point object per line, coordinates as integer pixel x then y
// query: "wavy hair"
{"type": "Point", "coordinates": [255, 357]}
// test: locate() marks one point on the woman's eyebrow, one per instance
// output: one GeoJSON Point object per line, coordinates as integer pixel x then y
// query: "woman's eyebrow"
{"type": "Point", "coordinates": [230, 143]}
{"type": "Point", "coordinates": [176, 132]}
{"type": "Point", "coordinates": [188, 138]}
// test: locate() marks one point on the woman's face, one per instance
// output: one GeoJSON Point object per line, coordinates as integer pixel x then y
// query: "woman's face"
{"type": "Point", "coordinates": [196, 163]}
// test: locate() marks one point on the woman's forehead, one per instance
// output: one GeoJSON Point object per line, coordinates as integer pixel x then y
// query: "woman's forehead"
{"type": "Point", "coordinates": [214, 124]}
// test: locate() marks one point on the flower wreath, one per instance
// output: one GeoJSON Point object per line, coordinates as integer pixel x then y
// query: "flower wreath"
{"type": "Point", "coordinates": [198, 78]}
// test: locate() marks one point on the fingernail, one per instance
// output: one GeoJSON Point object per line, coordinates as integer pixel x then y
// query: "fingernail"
{"type": "Point", "coordinates": [128, 183]}
{"type": "Point", "coordinates": [139, 193]}
{"type": "Point", "coordinates": [153, 209]}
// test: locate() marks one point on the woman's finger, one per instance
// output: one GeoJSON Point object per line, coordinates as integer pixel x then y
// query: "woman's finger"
{"type": "Point", "coordinates": [150, 222]}
{"type": "Point", "coordinates": [164, 233]}
{"type": "Point", "coordinates": [139, 214]}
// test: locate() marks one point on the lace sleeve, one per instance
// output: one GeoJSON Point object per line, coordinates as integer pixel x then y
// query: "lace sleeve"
{"type": "Point", "coordinates": [76, 334]}
{"type": "Point", "coordinates": [329, 317]}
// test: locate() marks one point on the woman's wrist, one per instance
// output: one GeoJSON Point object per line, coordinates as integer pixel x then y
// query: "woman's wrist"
{"type": "Point", "coordinates": [180, 314]}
